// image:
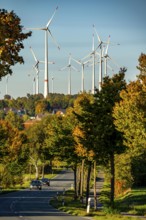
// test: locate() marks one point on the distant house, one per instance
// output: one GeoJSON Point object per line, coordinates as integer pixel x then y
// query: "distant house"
{"type": "Point", "coordinates": [39, 117]}
{"type": "Point", "coordinates": [60, 111]}
{"type": "Point", "coordinates": [29, 123]}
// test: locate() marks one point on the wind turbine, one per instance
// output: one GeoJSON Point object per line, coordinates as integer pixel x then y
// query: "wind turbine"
{"type": "Point", "coordinates": [82, 65]}
{"type": "Point", "coordinates": [93, 54]}
{"type": "Point", "coordinates": [47, 31]}
{"type": "Point", "coordinates": [69, 66]}
{"type": "Point", "coordinates": [37, 71]}
{"type": "Point", "coordinates": [36, 66]}
{"type": "Point", "coordinates": [106, 56]}
{"type": "Point", "coordinates": [101, 53]}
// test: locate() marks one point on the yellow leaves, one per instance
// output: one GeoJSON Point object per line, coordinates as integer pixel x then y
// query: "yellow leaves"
{"type": "Point", "coordinates": [12, 140]}
{"type": "Point", "coordinates": [79, 148]}
{"type": "Point", "coordinates": [78, 133]}
{"type": "Point", "coordinates": [129, 114]}
{"type": "Point", "coordinates": [84, 99]}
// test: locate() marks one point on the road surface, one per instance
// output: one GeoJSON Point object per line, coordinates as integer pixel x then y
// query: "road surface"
{"type": "Point", "coordinates": [34, 204]}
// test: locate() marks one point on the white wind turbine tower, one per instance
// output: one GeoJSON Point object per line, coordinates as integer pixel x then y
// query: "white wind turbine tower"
{"type": "Point", "coordinates": [107, 57]}
{"type": "Point", "coordinates": [101, 53]}
{"type": "Point", "coordinates": [47, 30]}
{"type": "Point", "coordinates": [69, 66]}
{"type": "Point", "coordinates": [37, 69]}
{"type": "Point", "coordinates": [93, 54]}
{"type": "Point", "coordinates": [82, 65]}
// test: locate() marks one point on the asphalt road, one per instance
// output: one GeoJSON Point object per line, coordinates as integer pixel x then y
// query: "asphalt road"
{"type": "Point", "coordinates": [34, 204]}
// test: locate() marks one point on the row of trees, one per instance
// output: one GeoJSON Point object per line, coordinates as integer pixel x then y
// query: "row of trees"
{"type": "Point", "coordinates": [36, 104]}
{"type": "Point", "coordinates": [107, 129]}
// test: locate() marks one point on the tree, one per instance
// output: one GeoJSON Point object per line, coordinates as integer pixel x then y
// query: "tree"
{"type": "Point", "coordinates": [15, 120]}
{"type": "Point", "coordinates": [84, 133]}
{"type": "Point", "coordinates": [36, 138]}
{"type": "Point", "coordinates": [11, 38]}
{"type": "Point", "coordinates": [42, 106]}
{"type": "Point", "coordinates": [130, 119]}
{"type": "Point", "coordinates": [108, 139]}
{"type": "Point", "coordinates": [11, 141]}
{"type": "Point", "coordinates": [12, 151]}
{"type": "Point", "coordinates": [142, 64]}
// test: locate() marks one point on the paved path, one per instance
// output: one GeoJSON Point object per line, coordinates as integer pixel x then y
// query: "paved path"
{"type": "Point", "coordinates": [34, 204]}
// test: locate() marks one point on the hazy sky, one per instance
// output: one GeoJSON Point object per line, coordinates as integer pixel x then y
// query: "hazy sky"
{"type": "Point", "coordinates": [124, 21]}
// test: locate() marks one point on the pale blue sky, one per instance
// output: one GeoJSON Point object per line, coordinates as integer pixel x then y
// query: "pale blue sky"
{"type": "Point", "coordinates": [72, 28]}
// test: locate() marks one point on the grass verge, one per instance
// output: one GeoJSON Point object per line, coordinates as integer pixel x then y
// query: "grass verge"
{"type": "Point", "coordinates": [68, 204]}
{"type": "Point", "coordinates": [134, 202]}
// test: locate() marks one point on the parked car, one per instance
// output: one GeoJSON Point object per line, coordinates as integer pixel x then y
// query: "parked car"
{"type": "Point", "coordinates": [45, 181]}
{"type": "Point", "coordinates": [36, 184]}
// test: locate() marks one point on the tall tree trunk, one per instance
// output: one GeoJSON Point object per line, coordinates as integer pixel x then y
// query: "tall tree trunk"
{"type": "Point", "coordinates": [112, 162]}
{"type": "Point", "coordinates": [36, 171]}
{"type": "Point", "coordinates": [95, 196]}
{"type": "Point", "coordinates": [75, 181]}
{"type": "Point", "coordinates": [82, 179]}
{"type": "Point", "coordinates": [35, 163]}
{"type": "Point", "coordinates": [43, 168]}
{"type": "Point", "coordinates": [79, 180]}
{"type": "Point", "coordinates": [88, 182]}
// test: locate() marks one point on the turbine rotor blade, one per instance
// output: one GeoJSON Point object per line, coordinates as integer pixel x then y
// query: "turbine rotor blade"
{"type": "Point", "coordinates": [88, 61]}
{"type": "Point", "coordinates": [77, 61]}
{"type": "Point", "coordinates": [98, 46]}
{"type": "Point", "coordinates": [63, 68]}
{"type": "Point", "coordinates": [49, 22]}
{"type": "Point", "coordinates": [97, 34]}
{"type": "Point", "coordinates": [55, 42]}
{"type": "Point", "coordinates": [34, 28]}
{"type": "Point", "coordinates": [90, 54]}
{"type": "Point", "coordinates": [33, 54]}
{"type": "Point", "coordinates": [108, 42]}
{"type": "Point", "coordinates": [116, 64]}
{"type": "Point", "coordinates": [110, 68]}
{"type": "Point", "coordinates": [75, 68]}
{"type": "Point", "coordinates": [93, 44]}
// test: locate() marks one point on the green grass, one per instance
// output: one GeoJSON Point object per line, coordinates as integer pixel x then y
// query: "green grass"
{"type": "Point", "coordinates": [115, 217]}
{"type": "Point", "coordinates": [134, 202]}
{"type": "Point", "coordinates": [71, 206]}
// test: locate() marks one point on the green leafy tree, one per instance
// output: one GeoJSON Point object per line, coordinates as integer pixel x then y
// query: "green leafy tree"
{"type": "Point", "coordinates": [109, 140]}
{"type": "Point", "coordinates": [130, 119]}
{"type": "Point", "coordinates": [15, 120]}
{"type": "Point", "coordinates": [12, 151]}
{"type": "Point", "coordinates": [36, 138]}
{"type": "Point", "coordinates": [142, 64]}
{"type": "Point", "coordinates": [11, 41]}
{"type": "Point", "coordinates": [84, 132]}
{"type": "Point", "coordinates": [42, 106]}
{"type": "Point", "coordinates": [60, 141]}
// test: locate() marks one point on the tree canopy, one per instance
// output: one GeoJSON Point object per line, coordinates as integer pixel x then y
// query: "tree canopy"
{"type": "Point", "coordinates": [11, 41]}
